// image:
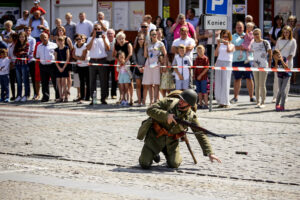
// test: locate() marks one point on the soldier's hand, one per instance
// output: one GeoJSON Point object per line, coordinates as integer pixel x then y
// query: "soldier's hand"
{"type": "Point", "coordinates": [171, 119]}
{"type": "Point", "coordinates": [212, 157]}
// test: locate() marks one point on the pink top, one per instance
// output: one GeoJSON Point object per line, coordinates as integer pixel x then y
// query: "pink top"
{"type": "Point", "coordinates": [247, 40]}
{"type": "Point", "coordinates": [190, 27]}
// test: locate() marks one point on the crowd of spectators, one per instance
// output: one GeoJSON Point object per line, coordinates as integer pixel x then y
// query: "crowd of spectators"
{"type": "Point", "coordinates": [159, 43]}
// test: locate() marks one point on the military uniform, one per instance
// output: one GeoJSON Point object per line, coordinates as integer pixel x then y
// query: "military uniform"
{"type": "Point", "coordinates": [168, 145]}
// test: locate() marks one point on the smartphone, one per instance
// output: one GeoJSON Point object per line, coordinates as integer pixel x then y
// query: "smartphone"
{"type": "Point", "coordinates": [98, 34]}
{"type": "Point", "coordinates": [221, 41]}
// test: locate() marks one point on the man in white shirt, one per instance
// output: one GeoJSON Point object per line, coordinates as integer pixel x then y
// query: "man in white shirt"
{"type": "Point", "coordinates": [98, 44]}
{"type": "Point", "coordinates": [36, 26]}
{"type": "Point", "coordinates": [103, 23]}
{"type": "Point", "coordinates": [148, 19]}
{"type": "Point", "coordinates": [188, 42]}
{"type": "Point", "coordinates": [84, 26]}
{"type": "Point", "coordinates": [45, 51]}
{"type": "Point", "coordinates": [31, 62]}
{"type": "Point", "coordinates": [111, 60]}
{"type": "Point", "coordinates": [22, 22]}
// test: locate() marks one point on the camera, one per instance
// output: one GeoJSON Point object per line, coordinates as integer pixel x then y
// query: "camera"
{"type": "Point", "coordinates": [98, 34]}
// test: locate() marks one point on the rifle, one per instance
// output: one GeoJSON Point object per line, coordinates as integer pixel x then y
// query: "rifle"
{"type": "Point", "coordinates": [196, 127]}
{"type": "Point", "coordinates": [184, 138]}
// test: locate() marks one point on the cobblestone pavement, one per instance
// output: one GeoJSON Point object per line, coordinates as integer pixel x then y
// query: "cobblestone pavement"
{"type": "Point", "coordinates": [77, 151]}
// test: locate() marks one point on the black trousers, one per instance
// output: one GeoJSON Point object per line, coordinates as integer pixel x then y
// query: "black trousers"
{"type": "Point", "coordinates": [32, 75]}
{"type": "Point", "coordinates": [47, 72]}
{"type": "Point", "coordinates": [102, 72]}
{"type": "Point", "coordinates": [13, 80]}
{"type": "Point", "coordinates": [111, 74]}
{"type": "Point", "coordinates": [84, 77]}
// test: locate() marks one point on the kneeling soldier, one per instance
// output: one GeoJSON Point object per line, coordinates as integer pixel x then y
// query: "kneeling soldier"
{"type": "Point", "coordinates": [163, 135]}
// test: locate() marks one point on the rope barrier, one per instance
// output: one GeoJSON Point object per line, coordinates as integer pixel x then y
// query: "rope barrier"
{"type": "Point", "coordinates": [249, 69]}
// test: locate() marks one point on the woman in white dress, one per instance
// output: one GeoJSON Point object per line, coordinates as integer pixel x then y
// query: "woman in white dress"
{"type": "Point", "coordinates": [224, 52]}
{"type": "Point", "coordinates": [151, 77]}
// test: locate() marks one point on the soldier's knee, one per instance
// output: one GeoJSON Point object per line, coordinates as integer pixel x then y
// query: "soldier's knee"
{"type": "Point", "coordinates": [145, 164]}
{"type": "Point", "coordinates": [174, 164]}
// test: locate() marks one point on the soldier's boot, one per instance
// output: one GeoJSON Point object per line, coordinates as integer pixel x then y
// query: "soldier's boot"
{"type": "Point", "coordinates": [156, 158]}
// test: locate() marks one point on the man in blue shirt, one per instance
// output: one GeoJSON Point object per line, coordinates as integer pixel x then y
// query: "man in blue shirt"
{"type": "Point", "coordinates": [237, 40]}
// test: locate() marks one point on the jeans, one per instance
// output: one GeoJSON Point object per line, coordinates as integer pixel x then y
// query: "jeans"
{"type": "Point", "coordinates": [4, 82]}
{"type": "Point", "coordinates": [282, 92]}
{"type": "Point", "coordinates": [22, 72]}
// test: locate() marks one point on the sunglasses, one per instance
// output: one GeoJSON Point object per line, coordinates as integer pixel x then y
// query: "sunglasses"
{"type": "Point", "coordinates": [78, 39]}
{"type": "Point", "coordinates": [97, 29]}
{"type": "Point", "coordinates": [144, 26]}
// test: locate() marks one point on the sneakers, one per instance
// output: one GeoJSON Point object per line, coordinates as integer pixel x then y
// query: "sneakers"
{"type": "Point", "coordinates": [233, 100]}
{"type": "Point", "coordinates": [18, 99]}
{"type": "Point", "coordinates": [262, 106]}
{"type": "Point", "coordinates": [277, 107]}
{"type": "Point", "coordinates": [6, 100]}
{"type": "Point", "coordinates": [282, 108]}
{"type": "Point", "coordinates": [252, 99]}
{"type": "Point", "coordinates": [24, 99]}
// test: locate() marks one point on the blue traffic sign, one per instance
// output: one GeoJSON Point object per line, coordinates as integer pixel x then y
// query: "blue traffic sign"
{"type": "Point", "coordinates": [216, 7]}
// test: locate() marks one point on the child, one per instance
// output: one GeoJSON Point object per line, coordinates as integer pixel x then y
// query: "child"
{"type": "Point", "coordinates": [4, 75]}
{"type": "Point", "coordinates": [182, 73]}
{"type": "Point", "coordinates": [166, 79]}
{"type": "Point", "coordinates": [283, 79]}
{"type": "Point", "coordinates": [247, 41]}
{"type": "Point", "coordinates": [62, 53]}
{"type": "Point", "coordinates": [21, 50]}
{"type": "Point", "coordinates": [200, 77]}
{"type": "Point", "coordinates": [125, 77]}
{"type": "Point", "coordinates": [35, 8]}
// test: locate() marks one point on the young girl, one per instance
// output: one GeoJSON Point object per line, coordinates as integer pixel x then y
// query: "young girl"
{"type": "Point", "coordinates": [166, 79]}
{"type": "Point", "coordinates": [283, 79]}
{"type": "Point", "coordinates": [4, 75]}
{"type": "Point", "coordinates": [22, 70]}
{"type": "Point", "coordinates": [125, 77]}
{"type": "Point", "coordinates": [200, 76]}
{"type": "Point", "coordinates": [62, 53]}
{"type": "Point", "coordinates": [139, 59]}
{"type": "Point", "coordinates": [247, 41]}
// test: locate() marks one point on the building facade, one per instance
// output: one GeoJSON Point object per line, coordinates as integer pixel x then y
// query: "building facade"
{"type": "Point", "coordinates": [127, 15]}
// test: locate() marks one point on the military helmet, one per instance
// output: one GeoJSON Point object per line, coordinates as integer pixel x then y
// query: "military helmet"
{"type": "Point", "coordinates": [189, 96]}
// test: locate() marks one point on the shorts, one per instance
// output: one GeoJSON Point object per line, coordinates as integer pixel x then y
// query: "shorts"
{"type": "Point", "coordinates": [182, 84]}
{"type": "Point", "coordinates": [124, 78]}
{"type": "Point", "coordinates": [242, 74]}
{"type": "Point", "coordinates": [201, 86]}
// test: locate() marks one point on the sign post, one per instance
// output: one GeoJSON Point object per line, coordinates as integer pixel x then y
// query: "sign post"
{"type": "Point", "coordinates": [216, 20]}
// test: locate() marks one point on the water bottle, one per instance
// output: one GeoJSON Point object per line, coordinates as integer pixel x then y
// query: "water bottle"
{"type": "Point", "coordinates": [95, 97]}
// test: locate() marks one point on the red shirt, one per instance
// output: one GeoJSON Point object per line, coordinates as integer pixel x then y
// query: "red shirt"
{"type": "Point", "coordinates": [201, 62]}
{"type": "Point", "coordinates": [33, 9]}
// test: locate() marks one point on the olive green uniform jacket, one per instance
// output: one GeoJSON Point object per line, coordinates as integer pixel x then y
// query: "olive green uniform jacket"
{"type": "Point", "coordinates": [159, 112]}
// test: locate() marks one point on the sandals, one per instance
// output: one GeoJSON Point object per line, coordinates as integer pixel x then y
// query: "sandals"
{"type": "Point", "coordinates": [58, 100]}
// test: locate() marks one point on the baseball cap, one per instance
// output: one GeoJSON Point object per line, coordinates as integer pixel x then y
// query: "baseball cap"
{"type": "Point", "coordinates": [36, 1]}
